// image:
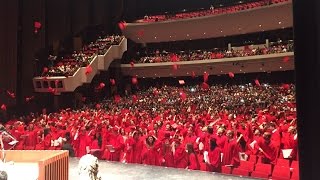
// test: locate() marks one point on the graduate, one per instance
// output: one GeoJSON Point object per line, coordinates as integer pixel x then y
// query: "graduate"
{"type": "Point", "coordinates": [231, 150]}
{"type": "Point", "coordinates": [213, 157]}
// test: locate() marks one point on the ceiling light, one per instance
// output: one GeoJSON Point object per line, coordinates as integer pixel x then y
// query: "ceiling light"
{"type": "Point", "coordinates": [221, 71]}
{"type": "Point", "coordinates": [260, 25]}
{"type": "Point", "coordinates": [204, 33]}
{"type": "Point", "coordinates": [188, 35]}
{"type": "Point", "coordinates": [221, 31]}
{"type": "Point", "coordinates": [239, 29]}
{"type": "Point", "coordinates": [280, 22]}
{"type": "Point", "coordinates": [280, 67]}
{"type": "Point", "coordinates": [260, 69]}
{"type": "Point", "coordinates": [187, 72]}
{"type": "Point", "coordinates": [240, 70]}
{"type": "Point", "coordinates": [155, 37]}
{"type": "Point", "coordinates": [170, 36]}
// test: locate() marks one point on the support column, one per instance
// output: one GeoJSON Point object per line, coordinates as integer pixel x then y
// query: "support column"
{"type": "Point", "coordinates": [307, 66]}
{"type": "Point", "coordinates": [229, 47]}
{"type": "Point", "coordinates": [267, 43]}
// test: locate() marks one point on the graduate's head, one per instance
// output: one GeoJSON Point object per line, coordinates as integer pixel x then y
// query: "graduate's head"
{"type": "Point", "coordinates": [189, 148]}
{"type": "Point", "coordinates": [190, 130]}
{"type": "Point", "coordinates": [257, 132]}
{"type": "Point", "coordinates": [150, 140]}
{"type": "Point", "coordinates": [220, 131]}
{"type": "Point", "coordinates": [267, 136]}
{"type": "Point", "coordinates": [168, 127]}
{"type": "Point", "coordinates": [272, 126]}
{"type": "Point", "coordinates": [210, 130]}
{"type": "Point", "coordinates": [213, 143]}
{"type": "Point", "coordinates": [230, 134]}
{"type": "Point", "coordinates": [292, 130]}
{"type": "Point", "coordinates": [135, 134]}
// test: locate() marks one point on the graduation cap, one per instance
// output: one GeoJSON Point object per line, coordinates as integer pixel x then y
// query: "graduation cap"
{"type": "Point", "coordinates": [37, 25]}
{"type": "Point", "coordinates": [88, 70]}
{"type": "Point", "coordinates": [231, 75]}
{"type": "Point", "coordinates": [102, 85]}
{"type": "Point", "coordinates": [11, 94]}
{"type": "Point", "coordinates": [181, 82]}
{"type": "Point", "coordinates": [113, 82]}
{"type": "Point", "coordinates": [256, 81]}
{"type": "Point", "coordinates": [285, 59]}
{"type": "Point", "coordinates": [3, 107]}
{"type": "Point", "coordinates": [134, 80]}
{"type": "Point", "coordinates": [122, 25]}
{"type": "Point", "coordinates": [132, 64]}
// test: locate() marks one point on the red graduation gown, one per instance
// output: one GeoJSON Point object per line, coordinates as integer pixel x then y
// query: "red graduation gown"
{"type": "Point", "coordinates": [84, 141]}
{"type": "Point", "coordinates": [150, 156]}
{"type": "Point", "coordinates": [193, 162]}
{"type": "Point", "coordinates": [215, 160]}
{"type": "Point", "coordinates": [231, 153]}
{"type": "Point", "coordinates": [270, 151]}
{"type": "Point", "coordinates": [167, 155]}
{"type": "Point", "coordinates": [181, 157]}
{"type": "Point", "coordinates": [31, 140]}
{"type": "Point", "coordinates": [134, 150]}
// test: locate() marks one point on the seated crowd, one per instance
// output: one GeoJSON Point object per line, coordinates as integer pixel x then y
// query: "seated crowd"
{"type": "Point", "coordinates": [199, 128]}
{"type": "Point", "coordinates": [211, 11]}
{"type": "Point", "coordinates": [69, 64]}
{"type": "Point", "coordinates": [164, 56]}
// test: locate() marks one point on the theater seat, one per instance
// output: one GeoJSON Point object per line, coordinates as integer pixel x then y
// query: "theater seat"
{"type": "Point", "coordinates": [262, 171]}
{"type": "Point", "coordinates": [247, 165]}
{"type": "Point", "coordinates": [283, 162]}
{"type": "Point", "coordinates": [240, 172]}
{"type": "Point", "coordinates": [281, 173]}
{"type": "Point", "coordinates": [226, 170]}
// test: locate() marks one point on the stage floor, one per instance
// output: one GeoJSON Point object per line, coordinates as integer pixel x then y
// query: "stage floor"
{"type": "Point", "coordinates": [121, 171]}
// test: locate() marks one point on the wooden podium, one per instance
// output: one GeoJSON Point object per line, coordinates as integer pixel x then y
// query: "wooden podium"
{"type": "Point", "coordinates": [52, 164]}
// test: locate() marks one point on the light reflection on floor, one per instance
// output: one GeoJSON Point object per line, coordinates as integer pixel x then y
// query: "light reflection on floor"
{"type": "Point", "coordinates": [120, 171]}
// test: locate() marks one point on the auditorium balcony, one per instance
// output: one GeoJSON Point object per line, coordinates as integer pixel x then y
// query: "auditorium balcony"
{"type": "Point", "coordinates": [77, 69]}
{"type": "Point", "coordinates": [236, 60]}
{"type": "Point", "coordinates": [219, 22]}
